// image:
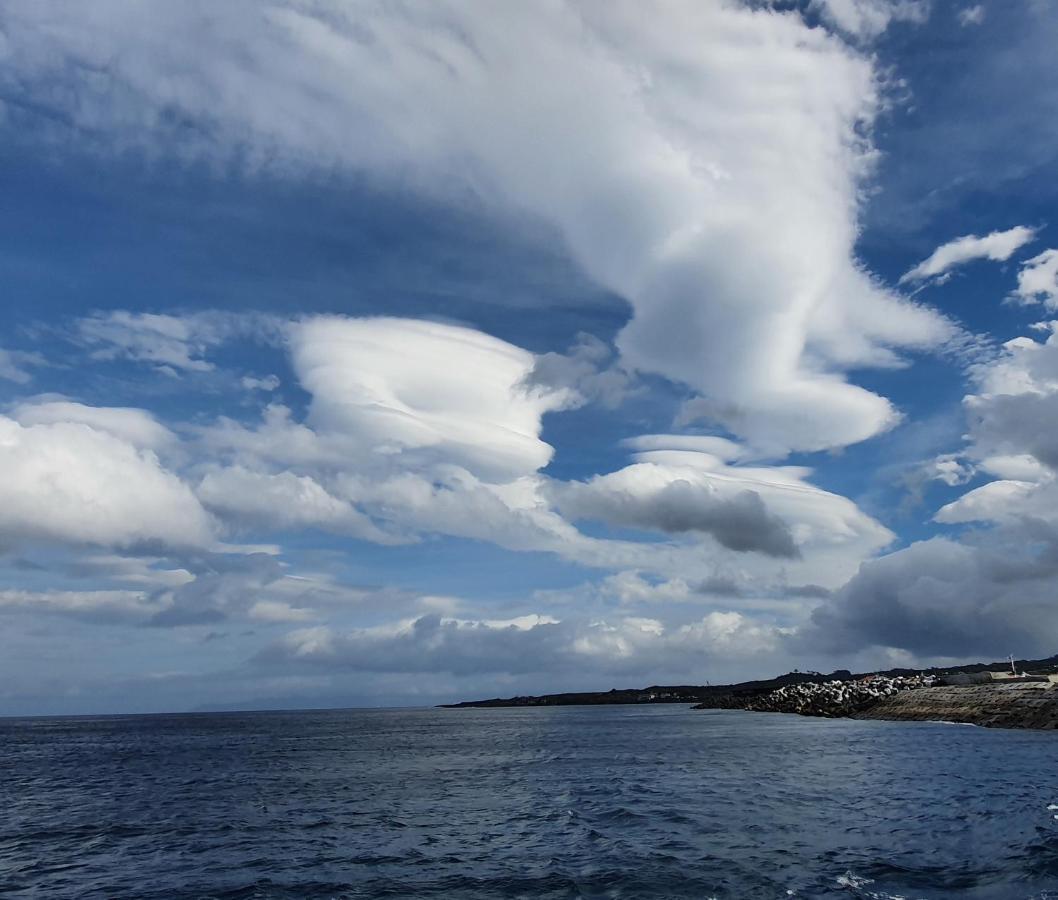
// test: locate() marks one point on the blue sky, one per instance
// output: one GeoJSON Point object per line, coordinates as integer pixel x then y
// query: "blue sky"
{"type": "Point", "coordinates": [360, 356]}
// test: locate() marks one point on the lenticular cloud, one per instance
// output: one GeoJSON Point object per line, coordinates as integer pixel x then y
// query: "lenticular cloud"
{"type": "Point", "coordinates": [703, 160]}
{"type": "Point", "coordinates": [424, 392]}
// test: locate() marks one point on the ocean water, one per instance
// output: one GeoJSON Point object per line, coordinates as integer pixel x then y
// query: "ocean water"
{"type": "Point", "coordinates": [657, 801]}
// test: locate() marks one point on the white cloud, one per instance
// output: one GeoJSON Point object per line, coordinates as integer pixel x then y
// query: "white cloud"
{"type": "Point", "coordinates": [585, 371]}
{"type": "Point", "coordinates": [989, 503]}
{"type": "Point", "coordinates": [632, 588]}
{"type": "Point", "coordinates": [869, 18]}
{"type": "Point", "coordinates": [135, 426]}
{"type": "Point", "coordinates": [991, 590]}
{"type": "Point", "coordinates": [971, 15]}
{"type": "Point", "coordinates": [704, 161]}
{"type": "Point", "coordinates": [531, 644]}
{"type": "Point", "coordinates": [73, 483]}
{"type": "Point", "coordinates": [413, 391]}
{"type": "Point", "coordinates": [146, 572]}
{"type": "Point", "coordinates": [416, 428]}
{"type": "Point", "coordinates": [779, 512]}
{"type": "Point", "coordinates": [1013, 419]}
{"type": "Point", "coordinates": [267, 383]}
{"type": "Point", "coordinates": [165, 341]}
{"type": "Point", "coordinates": [945, 598]}
{"type": "Point", "coordinates": [998, 246]}
{"type": "Point", "coordinates": [248, 586]}
{"type": "Point", "coordinates": [14, 365]}
{"type": "Point", "coordinates": [1038, 280]}
{"type": "Point", "coordinates": [1014, 409]}
{"type": "Point", "coordinates": [277, 611]}
{"type": "Point", "coordinates": [104, 607]}
{"type": "Point", "coordinates": [173, 344]}
{"type": "Point", "coordinates": [282, 501]}
{"type": "Point", "coordinates": [722, 449]}
{"type": "Point", "coordinates": [662, 499]}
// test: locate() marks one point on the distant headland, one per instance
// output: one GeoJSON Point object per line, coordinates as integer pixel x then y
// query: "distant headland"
{"type": "Point", "coordinates": [1019, 693]}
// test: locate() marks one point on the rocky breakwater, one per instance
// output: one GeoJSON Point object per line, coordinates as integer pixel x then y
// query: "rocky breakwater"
{"type": "Point", "coordinates": [833, 699]}
{"type": "Point", "coordinates": [1012, 704]}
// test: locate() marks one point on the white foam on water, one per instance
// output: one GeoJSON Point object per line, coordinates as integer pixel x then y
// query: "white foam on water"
{"type": "Point", "coordinates": [851, 880]}
{"type": "Point", "coordinates": [858, 883]}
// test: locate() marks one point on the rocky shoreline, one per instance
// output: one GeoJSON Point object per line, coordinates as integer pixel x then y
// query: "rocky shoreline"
{"type": "Point", "coordinates": [997, 704]}
{"type": "Point", "coordinates": [829, 699]}
{"type": "Point", "coordinates": [839, 693]}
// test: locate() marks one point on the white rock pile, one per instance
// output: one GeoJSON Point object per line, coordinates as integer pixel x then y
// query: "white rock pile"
{"type": "Point", "coordinates": [834, 699]}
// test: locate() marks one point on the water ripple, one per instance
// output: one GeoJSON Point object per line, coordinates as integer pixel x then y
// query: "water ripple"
{"type": "Point", "coordinates": [615, 802]}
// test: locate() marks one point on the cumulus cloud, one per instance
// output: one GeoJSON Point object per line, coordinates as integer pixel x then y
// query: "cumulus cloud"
{"type": "Point", "coordinates": [530, 644]}
{"type": "Point", "coordinates": [945, 598]}
{"type": "Point", "coordinates": [769, 509]}
{"type": "Point", "coordinates": [282, 501]}
{"type": "Point", "coordinates": [989, 503]}
{"type": "Point", "coordinates": [998, 246]}
{"type": "Point", "coordinates": [585, 371]}
{"type": "Point", "coordinates": [70, 482]}
{"type": "Point", "coordinates": [703, 161]}
{"type": "Point", "coordinates": [869, 18]}
{"type": "Point", "coordinates": [628, 499]}
{"type": "Point", "coordinates": [989, 590]}
{"type": "Point", "coordinates": [135, 426]}
{"type": "Point", "coordinates": [1038, 280]}
{"type": "Point", "coordinates": [1014, 408]}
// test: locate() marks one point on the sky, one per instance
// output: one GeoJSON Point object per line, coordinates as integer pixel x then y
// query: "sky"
{"type": "Point", "coordinates": [371, 354]}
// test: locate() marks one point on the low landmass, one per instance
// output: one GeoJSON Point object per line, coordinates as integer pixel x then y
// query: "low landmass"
{"type": "Point", "coordinates": [979, 693]}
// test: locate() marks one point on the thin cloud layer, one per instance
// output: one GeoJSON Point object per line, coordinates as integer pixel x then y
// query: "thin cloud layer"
{"type": "Point", "coordinates": [998, 246]}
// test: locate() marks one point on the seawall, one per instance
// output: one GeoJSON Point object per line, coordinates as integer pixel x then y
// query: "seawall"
{"type": "Point", "coordinates": [1031, 705]}
{"type": "Point", "coordinates": [978, 701]}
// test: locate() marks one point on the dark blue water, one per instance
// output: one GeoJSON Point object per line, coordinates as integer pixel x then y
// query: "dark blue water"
{"type": "Point", "coordinates": [566, 802]}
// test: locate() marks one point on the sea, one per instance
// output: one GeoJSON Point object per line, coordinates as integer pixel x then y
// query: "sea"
{"type": "Point", "coordinates": [535, 802]}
